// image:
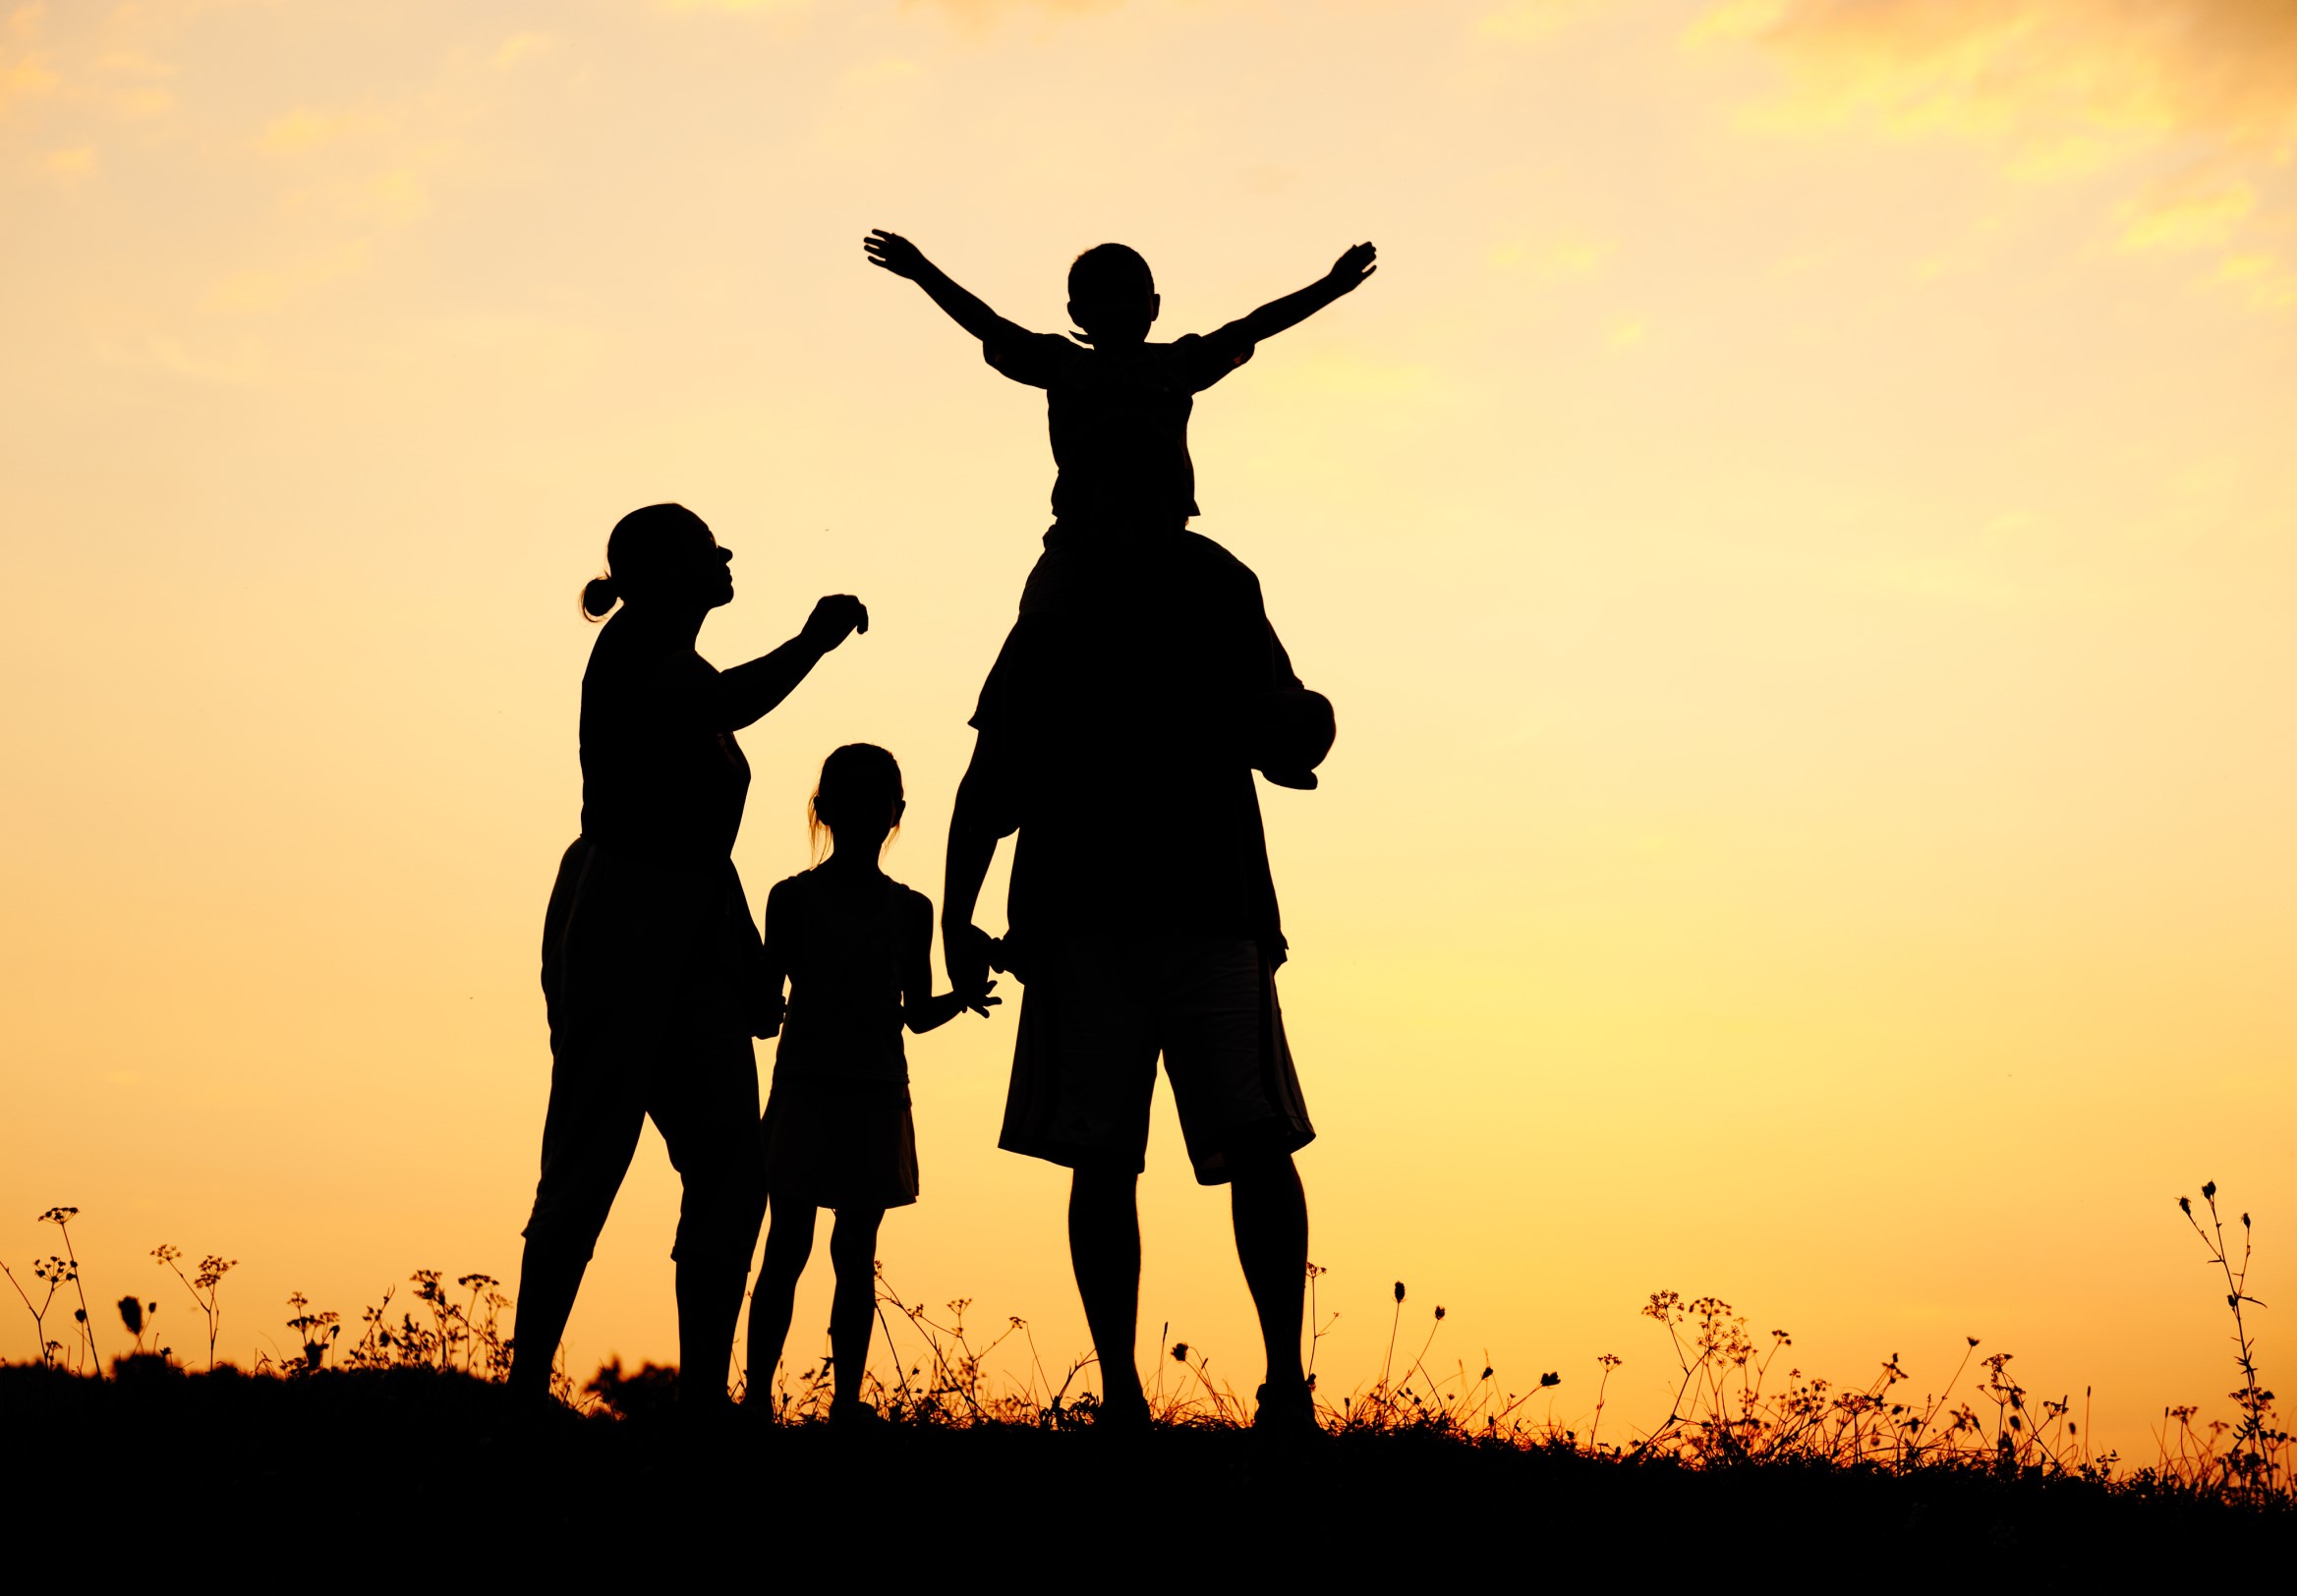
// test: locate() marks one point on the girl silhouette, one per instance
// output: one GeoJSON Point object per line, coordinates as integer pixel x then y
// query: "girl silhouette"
{"type": "Point", "coordinates": [649, 955]}
{"type": "Point", "coordinates": [855, 948]}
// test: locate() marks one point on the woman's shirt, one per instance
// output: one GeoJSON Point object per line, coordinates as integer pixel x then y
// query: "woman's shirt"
{"type": "Point", "coordinates": [659, 782]}
{"type": "Point", "coordinates": [842, 950]}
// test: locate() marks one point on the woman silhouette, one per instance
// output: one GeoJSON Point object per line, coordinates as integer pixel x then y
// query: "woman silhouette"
{"type": "Point", "coordinates": [649, 956]}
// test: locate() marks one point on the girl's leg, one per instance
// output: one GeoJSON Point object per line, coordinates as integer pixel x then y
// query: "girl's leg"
{"type": "Point", "coordinates": [789, 1242]}
{"type": "Point", "coordinates": [853, 1250]}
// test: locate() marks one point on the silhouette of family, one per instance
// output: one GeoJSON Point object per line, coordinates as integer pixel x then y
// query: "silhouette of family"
{"type": "Point", "coordinates": [1116, 738]}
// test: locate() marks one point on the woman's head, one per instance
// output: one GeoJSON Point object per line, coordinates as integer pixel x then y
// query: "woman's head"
{"type": "Point", "coordinates": [859, 797]}
{"type": "Point", "coordinates": [660, 556]}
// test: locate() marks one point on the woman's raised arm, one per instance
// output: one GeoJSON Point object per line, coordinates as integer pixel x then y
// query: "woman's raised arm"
{"type": "Point", "coordinates": [745, 694]}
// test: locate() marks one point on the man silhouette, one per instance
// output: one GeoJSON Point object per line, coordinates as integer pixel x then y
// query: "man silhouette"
{"type": "Point", "coordinates": [1119, 736]}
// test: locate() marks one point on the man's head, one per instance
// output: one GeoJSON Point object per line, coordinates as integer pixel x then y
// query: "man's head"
{"type": "Point", "coordinates": [1111, 295]}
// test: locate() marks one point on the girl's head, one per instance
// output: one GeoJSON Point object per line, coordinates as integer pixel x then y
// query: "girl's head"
{"type": "Point", "coordinates": [1111, 295]}
{"type": "Point", "coordinates": [663, 556]}
{"type": "Point", "coordinates": [858, 798]}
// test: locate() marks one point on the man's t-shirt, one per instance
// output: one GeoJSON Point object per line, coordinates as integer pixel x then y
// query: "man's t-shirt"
{"type": "Point", "coordinates": [1119, 421]}
{"type": "Point", "coordinates": [1120, 737]}
{"type": "Point", "coordinates": [659, 783]}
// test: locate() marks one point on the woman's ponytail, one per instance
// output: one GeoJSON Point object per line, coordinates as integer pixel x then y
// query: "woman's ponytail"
{"type": "Point", "coordinates": [598, 595]}
{"type": "Point", "coordinates": [642, 546]}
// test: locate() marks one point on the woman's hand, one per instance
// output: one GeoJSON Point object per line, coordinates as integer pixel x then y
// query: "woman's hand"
{"type": "Point", "coordinates": [980, 1003]}
{"type": "Point", "coordinates": [833, 620]}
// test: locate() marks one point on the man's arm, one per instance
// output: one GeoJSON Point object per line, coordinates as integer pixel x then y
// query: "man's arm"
{"type": "Point", "coordinates": [772, 966]}
{"type": "Point", "coordinates": [905, 259]}
{"type": "Point", "coordinates": [975, 824]}
{"type": "Point", "coordinates": [1348, 274]}
{"type": "Point", "coordinates": [746, 692]}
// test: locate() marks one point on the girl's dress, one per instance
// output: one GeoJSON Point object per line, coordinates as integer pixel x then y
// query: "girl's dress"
{"type": "Point", "coordinates": [838, 1129]}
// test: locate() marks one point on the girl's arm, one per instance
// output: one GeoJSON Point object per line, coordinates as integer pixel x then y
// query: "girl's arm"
{"type": "Point", "coordinates": [922, 1009]}
{"type": "Point", "coordinates": [1348, 273]}
{"type": "Point", "coordinates": [744, 694]}
{"type": "Point", "coordinates": [903, 259]}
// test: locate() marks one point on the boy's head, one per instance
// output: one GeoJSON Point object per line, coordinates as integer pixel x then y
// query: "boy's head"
{"type": "Point", "coordinates": [1112, 294]}
{"type": "Point", "coordinates": [859, 795]}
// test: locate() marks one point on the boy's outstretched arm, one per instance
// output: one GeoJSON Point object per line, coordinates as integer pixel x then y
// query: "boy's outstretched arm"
{"type": "Point", "coordinates": [1348, 273]}
{"type": "Point", "coordinates": [905, 259]}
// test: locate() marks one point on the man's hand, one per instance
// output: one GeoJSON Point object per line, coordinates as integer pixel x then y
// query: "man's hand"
{"type": "Point", "coordinates": [833, 620]}
{"type": "Point", "coordinates": [965, 950]}
{"type": "Point", "coordinates": [1355, 264]}
{"type": "Point", "coordinates": [897, 254]}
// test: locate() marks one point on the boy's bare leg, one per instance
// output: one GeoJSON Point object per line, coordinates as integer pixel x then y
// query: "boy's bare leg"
{"type": "Point", "coordinates": [1271, 1212]}
{"type": "Point", "coordinates": [789, 1242]}
{"type": "Point", "coordinates": [1104, 1248]}
{"type": "Point", "coordinates": [853, 1253]}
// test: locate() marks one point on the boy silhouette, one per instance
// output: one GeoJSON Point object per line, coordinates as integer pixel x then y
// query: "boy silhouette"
{"type": "Point", "coordinates": [1117, 408]}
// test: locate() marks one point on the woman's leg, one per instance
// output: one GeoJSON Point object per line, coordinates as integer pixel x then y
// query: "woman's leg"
{"type": "Point", "coordinates": [853, 1250]}
{"type": "Point", "coordinates": [789, 1242]}
{"type": "Point", "coordinates": [704, 1098]}
{"type": "Point", "coordinates": [588, 1134]}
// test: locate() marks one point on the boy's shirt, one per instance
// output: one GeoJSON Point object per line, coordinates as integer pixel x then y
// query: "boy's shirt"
{"type": "Point", "coordinates": [1119, 421]}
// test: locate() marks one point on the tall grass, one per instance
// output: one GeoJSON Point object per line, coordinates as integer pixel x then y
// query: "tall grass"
{"type": "Point", "coordinates": [1733, 1403]}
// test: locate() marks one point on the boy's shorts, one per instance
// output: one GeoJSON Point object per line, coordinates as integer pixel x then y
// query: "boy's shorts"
{"type": "Point", "coordinates": [1094, 1020]}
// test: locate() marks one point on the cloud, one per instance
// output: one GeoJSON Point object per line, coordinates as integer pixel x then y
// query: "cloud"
{"type": "Point", "coordinates": [23, 76]}
{"type": "Point", "coordinates": [978, 16]}
{"type": "Point", "coordinates": [71, 165]}
{"type": "Point", "coordinates": [2192, 103]}
{"type": "Point", "coordinates": [265, 289]}
{"type": "Point", "coordinates": [2069, 84]}
{"type": "Point", "coordinates": [2187, 215]}
{"type": "Point", "coordinates": [1525, 21]}
{"type": "Point", "coordinates": [518, 47]}
{"type": "Point", "coordinates": [1559, 258]}
{"type": "Point", "coordinates": [295, 132]}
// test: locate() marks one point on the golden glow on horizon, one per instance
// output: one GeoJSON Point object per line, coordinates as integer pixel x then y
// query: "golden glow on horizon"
{"type": "Point", "coordinates": [1799, 533]}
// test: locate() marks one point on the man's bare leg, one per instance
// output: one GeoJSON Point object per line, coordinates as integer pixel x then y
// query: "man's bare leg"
{"type": "Point", "coordinates": [1271, 1213]}
{"type": "Point", "coordinates": [1104, 1248]}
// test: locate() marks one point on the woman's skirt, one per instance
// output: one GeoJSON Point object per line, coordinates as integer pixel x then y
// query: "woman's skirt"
{"type": "Point", "coordinates": [839, 1143]}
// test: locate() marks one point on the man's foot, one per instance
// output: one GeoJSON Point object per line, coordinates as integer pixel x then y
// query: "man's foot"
{"type": "Point", "coordinates": [1126, 1415]}
{"type": "Point", "coordinates": [854, 1414]}
{"type": "Point", "coordinates": [1287, 1408]}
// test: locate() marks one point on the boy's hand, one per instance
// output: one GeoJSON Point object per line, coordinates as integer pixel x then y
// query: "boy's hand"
{"type": "Point", "coordinates": [835, 619]}
{"type": "Point", "coordinates": [981, 1002]}
{"type": "Point", "coordinates": [1352, 267]}
{"type": "Point", "coordinates": [895, 254]}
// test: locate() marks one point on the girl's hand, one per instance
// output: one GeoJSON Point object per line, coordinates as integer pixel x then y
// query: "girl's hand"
{"type": "Point", "coordinates": [895, 254]}
{"type": "Point", "coordinates": [982, 1002]}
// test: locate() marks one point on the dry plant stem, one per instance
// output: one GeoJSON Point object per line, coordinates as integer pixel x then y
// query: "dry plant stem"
{"type": "Point", "coordinates": [62, 1216]}
{"type": "Point", "coordinates": [2252, 1440]}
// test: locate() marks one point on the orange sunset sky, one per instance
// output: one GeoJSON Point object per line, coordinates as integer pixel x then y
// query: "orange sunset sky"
{"type": "Point", "coordinates": [1800, 531]}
